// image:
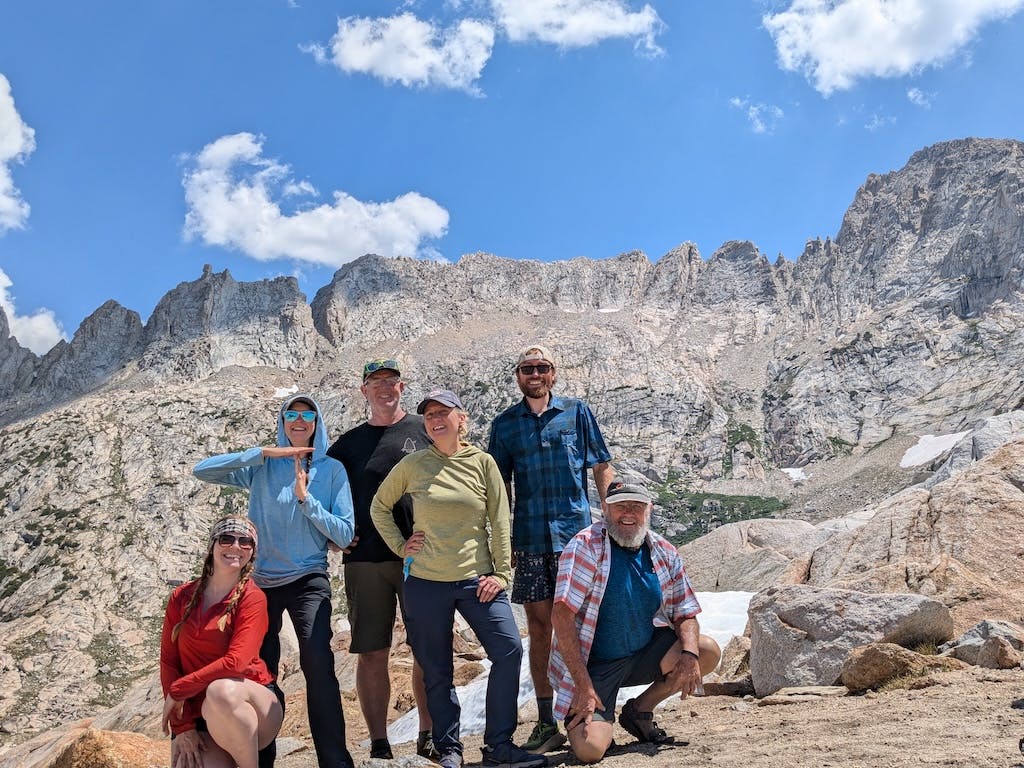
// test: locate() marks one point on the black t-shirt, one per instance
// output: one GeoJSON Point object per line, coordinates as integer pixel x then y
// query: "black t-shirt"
{"type": "Point", "coordinates": [369, 452]}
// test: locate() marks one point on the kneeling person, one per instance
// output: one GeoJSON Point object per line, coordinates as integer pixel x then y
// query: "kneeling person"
{"type": "Point", "coordinates": [624, 614]}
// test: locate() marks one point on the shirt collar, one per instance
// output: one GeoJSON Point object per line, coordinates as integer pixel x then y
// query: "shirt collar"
{"type": "Point", "coordinates": [555, 403]}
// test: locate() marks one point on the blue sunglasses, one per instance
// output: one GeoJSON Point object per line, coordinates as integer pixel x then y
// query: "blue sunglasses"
{"type": "Point", "coordinates": [307, 416]}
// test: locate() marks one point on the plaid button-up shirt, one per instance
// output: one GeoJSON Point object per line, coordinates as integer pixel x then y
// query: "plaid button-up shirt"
{"type": "Point", "coordinates": [582, 582]}
{"type": "Point", "coordinates": [546, 457]}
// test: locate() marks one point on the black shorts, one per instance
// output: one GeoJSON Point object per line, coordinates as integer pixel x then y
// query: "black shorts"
{"type": "Point", "coordinates": [639, 669]}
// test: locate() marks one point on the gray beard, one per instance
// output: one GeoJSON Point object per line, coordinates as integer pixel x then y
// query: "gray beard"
{"type": "Point", "coordinates": [625, 540]}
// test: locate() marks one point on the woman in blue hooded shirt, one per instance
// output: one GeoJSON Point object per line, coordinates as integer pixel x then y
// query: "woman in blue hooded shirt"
{"type": "Point", "coordinates": [299, 500]}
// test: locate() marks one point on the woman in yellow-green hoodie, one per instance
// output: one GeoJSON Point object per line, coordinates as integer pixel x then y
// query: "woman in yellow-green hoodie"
{"type": "Point", "coordinates": [459, 558]}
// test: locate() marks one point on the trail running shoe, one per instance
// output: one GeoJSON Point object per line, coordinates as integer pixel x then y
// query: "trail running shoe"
{"type": "Point", "coordinates": [508, 755]}
{"type": "Point", "coordinates": [544, 738]}
{"type": "Point", "coordinates": [425, 746]}
{"type": "Point", "coordinates": [451, 759]}
{"type": "Point", "coordinates": [381, 748]}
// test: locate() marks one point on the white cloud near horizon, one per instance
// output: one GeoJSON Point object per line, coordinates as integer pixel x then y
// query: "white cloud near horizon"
{"type": "Point", "coordinates": [37, 332]}
{"type": "Point", "coordinates": [234, 199]}
{"type": "Point", "coordinates": [578, 23]}
{"type": "Point", "coordinates": [405, 49]}
{"type": "Point", "coordinates": [17, 142]}
{"type": "Point", "coordinates": [835, 43]}
{"type": "Point", "coordinates": [919, 98]}
{"type": "Point", "coordinates": [763, 118]}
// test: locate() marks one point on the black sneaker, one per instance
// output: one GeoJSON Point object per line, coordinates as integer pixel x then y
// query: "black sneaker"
{"type": "Point", "coordinates": [425, 746]}
{"type": "Point", "coordinates": [508, 755]}
{"type": "Point", "coordinates": [381, 748]}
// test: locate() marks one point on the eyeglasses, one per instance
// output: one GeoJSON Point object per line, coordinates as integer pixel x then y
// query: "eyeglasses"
{"type": "Point", "coordinates": [529, 370]}
{"type": "Point", "coordinates": [245, 542]}
{"type": "Point", "coordinates": [307, 416]}
{"type": "Point", "coordinates": [389, 381]}
{"type": "Point", "coordinates": [380, 365]}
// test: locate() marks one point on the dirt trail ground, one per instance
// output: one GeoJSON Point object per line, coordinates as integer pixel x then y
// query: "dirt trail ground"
{"type": "Point", "coordinates": [970, 718]}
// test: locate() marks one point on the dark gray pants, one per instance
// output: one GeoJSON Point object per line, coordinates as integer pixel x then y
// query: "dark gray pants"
{"type": "Point", "coordinates": [308, 602]}
{"type": "Point", "coordinates": [430, 612]}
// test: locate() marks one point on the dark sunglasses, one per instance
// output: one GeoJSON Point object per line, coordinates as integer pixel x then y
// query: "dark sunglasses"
{"type": "Point", "coordinates": [307, 416]}
{"type": "Point", "coordinates": [529, 370]}
{"type": "Point", "coordinates": [227, 539]}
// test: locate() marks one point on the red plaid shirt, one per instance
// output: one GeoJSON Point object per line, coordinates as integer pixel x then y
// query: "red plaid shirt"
{"type": "Point", "coordinates": [582, 579]}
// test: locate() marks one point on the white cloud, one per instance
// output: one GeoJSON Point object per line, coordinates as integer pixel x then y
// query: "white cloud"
{"type": "Point", "coordinates": [407, 50]}
{"type": "Point", "coordinates": [763, 118]}
{"type": "Point", "coordinates": [919, 98]}
{"type": "Point", "coordinates": [834, 43]}
{"type": "Point", "coordinates": [877, 122]}
{"type": "Point", "coordinates": [234, 195]}
{"type": "Point", "coordinates": [38, 332]}
{"type": "Point", "coordinates": [17, 141]}
{"type": "Point", "coordinates": [578, 23]}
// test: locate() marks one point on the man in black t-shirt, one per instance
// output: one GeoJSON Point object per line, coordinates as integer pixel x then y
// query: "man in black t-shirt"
{"type": "Point", "coordinates": [373, 573]}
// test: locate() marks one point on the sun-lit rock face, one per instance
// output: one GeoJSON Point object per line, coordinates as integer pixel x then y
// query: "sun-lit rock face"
{"type": "Point", "coordinates": [706, 375]}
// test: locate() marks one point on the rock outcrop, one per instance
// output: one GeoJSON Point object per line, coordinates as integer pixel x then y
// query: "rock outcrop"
{"type": "Point", "coordinates": [801, 635]}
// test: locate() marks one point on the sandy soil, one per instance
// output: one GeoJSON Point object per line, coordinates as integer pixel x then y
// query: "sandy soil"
{"type": "Point", "coordinates": [967, 718]}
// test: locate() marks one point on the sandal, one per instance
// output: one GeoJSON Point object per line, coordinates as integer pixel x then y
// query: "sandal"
{"type": "Point", "coordinates": [642, 726]}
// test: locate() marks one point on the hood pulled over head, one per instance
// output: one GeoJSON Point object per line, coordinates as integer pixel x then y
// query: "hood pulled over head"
{"type": "Point", "coordinates": [319, 433]}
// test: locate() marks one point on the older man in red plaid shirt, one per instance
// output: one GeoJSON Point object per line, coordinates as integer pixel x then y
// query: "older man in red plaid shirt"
{"type": "Point", "coordinates": [624, 614]}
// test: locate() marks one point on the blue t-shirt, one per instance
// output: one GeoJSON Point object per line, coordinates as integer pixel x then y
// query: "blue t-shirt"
{"type": "Point", "coordinates": [625, 620]}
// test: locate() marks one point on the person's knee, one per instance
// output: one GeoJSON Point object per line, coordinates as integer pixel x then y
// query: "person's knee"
{"type": "Point", "coordinates": [591, 741]}
{"type": "Point", "coordinates": [588, 752]}
{"type": "Point", "coordinates": [221, 695]}
{"type": "Point", "coordinates": [710, 654]}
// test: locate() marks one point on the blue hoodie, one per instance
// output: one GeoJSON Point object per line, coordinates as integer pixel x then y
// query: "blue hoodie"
{"type": "Point", "coordinates": [293, 537]}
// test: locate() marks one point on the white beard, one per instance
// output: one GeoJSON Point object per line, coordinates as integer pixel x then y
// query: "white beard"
{"type": "Point", "coordinates": [628, 540]}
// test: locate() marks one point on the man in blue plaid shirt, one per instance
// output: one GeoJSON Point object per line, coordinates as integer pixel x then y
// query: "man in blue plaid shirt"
{"type": "Point", "coordinates": [543, 446]}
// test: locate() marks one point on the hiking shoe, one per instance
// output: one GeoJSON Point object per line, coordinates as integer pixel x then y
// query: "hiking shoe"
{"type": "Point", "coordinates": [508, 755]}
{"type": "Point", "coordinates": [381, 748]}
{"type": "Point", "coordinates": [451, 759]}
{"type": "Point", "coordinates": [425, 746]}
{"type": "Point", "coordinates": [544, 738]}
{"type": "Point", "coordinates": [642, 725]}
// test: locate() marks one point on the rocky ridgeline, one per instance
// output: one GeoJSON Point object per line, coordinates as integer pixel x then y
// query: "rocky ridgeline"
{"type": "Point", "coordinates": [711, 374]}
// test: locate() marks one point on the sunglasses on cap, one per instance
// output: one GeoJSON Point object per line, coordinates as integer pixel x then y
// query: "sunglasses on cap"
{"type": "Point", "coordinates": [380, 365]}
{"type": "Point", "coordinates": [529, 370]}
{"type": "Point", "coordinates": [227, 539]}
{"type": "Point", "coordinates": [307, 416]}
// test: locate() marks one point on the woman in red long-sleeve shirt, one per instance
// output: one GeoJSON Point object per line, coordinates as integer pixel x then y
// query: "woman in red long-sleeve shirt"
{"type": "Point", "coordinates": [220, 701]}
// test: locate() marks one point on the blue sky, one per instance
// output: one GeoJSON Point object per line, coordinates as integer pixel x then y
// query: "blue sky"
{"type": "Point", "coordinates": [141, 140]}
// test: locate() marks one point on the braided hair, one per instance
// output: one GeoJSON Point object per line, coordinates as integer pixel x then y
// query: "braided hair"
{"type": "Point", "coordinates": [225, 523]}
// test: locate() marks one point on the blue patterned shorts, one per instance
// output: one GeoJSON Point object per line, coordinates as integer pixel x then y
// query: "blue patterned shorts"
{"type": "Point", "coordinates": [535, 577]}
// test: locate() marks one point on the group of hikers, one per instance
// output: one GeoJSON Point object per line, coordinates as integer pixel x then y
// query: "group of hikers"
{"type": "Point", "coordinates": [423, 521]}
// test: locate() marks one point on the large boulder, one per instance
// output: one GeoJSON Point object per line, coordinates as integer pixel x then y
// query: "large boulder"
{"type": "Point", "coordinates": [801, 635]}
{"type": "Point", "coordinates": [751, 555]}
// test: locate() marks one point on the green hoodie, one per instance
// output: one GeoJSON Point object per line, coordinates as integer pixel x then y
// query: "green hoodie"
{"type": "Point", "coordinates": [459, 502]}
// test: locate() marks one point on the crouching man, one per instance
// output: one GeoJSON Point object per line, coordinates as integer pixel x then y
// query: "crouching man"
{"type": "Point", "coordinates": [624, 614]}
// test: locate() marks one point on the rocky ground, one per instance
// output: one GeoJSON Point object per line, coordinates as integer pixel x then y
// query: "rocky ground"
{"type": "Point", "coordinates": [971, 718]}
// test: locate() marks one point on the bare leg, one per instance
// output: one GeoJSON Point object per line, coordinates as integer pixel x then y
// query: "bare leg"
{"type": "Point", "coordinates": [538, 621]}
{"type": "Point", "coordinates": [710, 655]}
{"type": "Point", "coordinates": [589, 741]}
{"type": "Point", "coordinates": [211, 756]}
{"type": "Point", "coordinates": [419, 693]}
{"type": "Point", "coordinates": [243, 717]}
{"type": "Point", "coordinates": [373, 686]}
